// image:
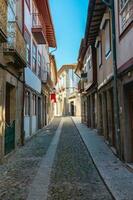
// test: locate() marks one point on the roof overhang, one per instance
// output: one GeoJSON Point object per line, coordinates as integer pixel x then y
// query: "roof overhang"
{"type": "Point", "coordinates": [96, 11]}
{"type": "Point", "coordinates": [44, 9]}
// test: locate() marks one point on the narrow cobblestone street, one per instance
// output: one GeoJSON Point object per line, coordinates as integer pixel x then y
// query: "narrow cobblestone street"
{"type": "Point", "coordinates": [73, 176]}
{"type": "Point", "coordinates": [18, 172]}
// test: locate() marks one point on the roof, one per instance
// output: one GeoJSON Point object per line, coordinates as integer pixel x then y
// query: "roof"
{"type": "Point", "coordinates": [65, 67]}
{"type": "Point", "coordinates": [96, 11]}
{"type": "Point", "coordinates": [44, 9]}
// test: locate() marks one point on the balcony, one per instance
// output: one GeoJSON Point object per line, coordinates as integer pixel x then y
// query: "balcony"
{"type": "Point", "coordinates": [46, 79]}
{"type": "Point", "coordinates": [38, 29]}
{"type": "Point", "coordinates": [3, 21]}
{"type": "Point", "coordinates": [15, 48]}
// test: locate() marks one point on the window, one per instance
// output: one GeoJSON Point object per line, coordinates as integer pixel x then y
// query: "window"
{"type": "Point", "coordinates": [33, 104]}
{"type": "Point", "coordinates": [99, 54]}
{"type": "Point", "coordinates": [11, 13]}
{"type": "Point", "coordinates": [39, 65]}
{"type": "Point", "coordinates": [122, 3]}
{"type": "Point", "coordinates": [28, 46]}
{"type": "Point", "coordinates": [126, 14]}
{"type": "Point", "coordinates": [27, 103]}
{"type": "Point", "coordinates": [107, 38]}
{"type": "Point", "coordinates": [28, 3]}
{"type": "Point", "coordinates": [34, 58]}
{"type": "Point", "coordinates": [72, 75]}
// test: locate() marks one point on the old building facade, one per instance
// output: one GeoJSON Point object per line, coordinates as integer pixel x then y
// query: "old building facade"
{"type": "Point", "coordinates": [124, 46]}
{"type": "Point", "coordinates": [68, 99]}
{"type": "Point", "coordinates": [38, 38]}
{"type": "Point", "coordinates": [26, 33]}
{"type": "Point", "coordinates": [12, 64]}
{"type": "Point", "coordinates": [99, 111]}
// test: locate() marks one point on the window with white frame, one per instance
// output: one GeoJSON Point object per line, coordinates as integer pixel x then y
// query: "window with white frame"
{"type": "Point", "coordinates": [28, 46]}
{"type": "Point", "coordinates": [122, 3]}
{"type": "Point", "coordinates": [107, 38]}
{"type": "Point", "coordinates": [126, 13]}
{"type": "Point", "coordinates": [39, 64]}
{"type": "Point", "coordinates": [11, 10]}
{"type": "Point", "coordinates": [34, 57]}
{"type": "Point", "coordinates": [28, 3]}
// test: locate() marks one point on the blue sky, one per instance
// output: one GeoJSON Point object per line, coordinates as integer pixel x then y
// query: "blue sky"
{"type": "Point", "coordinates": [69, 19]}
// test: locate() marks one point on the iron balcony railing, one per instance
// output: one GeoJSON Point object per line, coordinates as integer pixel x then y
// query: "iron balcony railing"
{"type": "Point", "coordinates": [3, 20]}
{"type": "Point", "coordinates": [15, 41]}
{"type": "Point", "coordinates": [37, 22]}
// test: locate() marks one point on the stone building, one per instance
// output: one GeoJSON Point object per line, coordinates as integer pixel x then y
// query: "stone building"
{"type": "Point", "coordinates": [12, 63]}
{"type": "Point", "coordinates": [49, 80]}
{"type": "Point", "coordinates": [99, 111]}
{"type": "Point", "coordinates": [39, 36]}
{"type": "Point", "coordinates": [68, 99]}
{"type": "Point", "coordinates": [124, 46]}
{"type": "Point", "coordinates": [26, 33]}
{"type": "Point", "coordinates": [99, 104]}
{"type": "Point", "coordinates": [87, 70]}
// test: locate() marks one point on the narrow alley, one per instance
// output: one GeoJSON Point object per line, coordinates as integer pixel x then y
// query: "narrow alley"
{"type": "Point", "coordinates": [66, 99]}
{"type": "Point", "coordinates": [73, 175]}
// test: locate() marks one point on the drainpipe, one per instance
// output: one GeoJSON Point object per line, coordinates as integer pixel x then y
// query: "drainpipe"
{"type": "Point", "coordinates": [23, 100]}
{"type": "Point", "coordinates": [22, 120]}
{"type": "Point", "coordinates": [111, 6]}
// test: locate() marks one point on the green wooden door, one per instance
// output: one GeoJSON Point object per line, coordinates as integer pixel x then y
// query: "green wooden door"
{"type": "Point", "coordinates": [9, 138]}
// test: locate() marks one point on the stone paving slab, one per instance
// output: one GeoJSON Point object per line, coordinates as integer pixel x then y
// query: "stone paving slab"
{"type": "Point", "coordinates": [116, 176]}
{"type": "Point", "coordinates": [39, 187]}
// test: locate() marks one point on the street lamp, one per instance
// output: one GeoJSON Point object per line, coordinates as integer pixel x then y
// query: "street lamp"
{"type": "Point", "coordinates": [110, 5]}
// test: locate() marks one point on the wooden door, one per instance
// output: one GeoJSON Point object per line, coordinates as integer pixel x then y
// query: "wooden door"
{"type": "Point", "coordinates": [72, 108]}
{"type": "Point", "coordinates": [10, 119]}
{"type": "Point", "coordinates": [112, 119]}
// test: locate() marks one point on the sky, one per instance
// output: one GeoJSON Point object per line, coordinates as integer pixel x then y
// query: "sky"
{"type": "Point", "coordinates": [69, 19]}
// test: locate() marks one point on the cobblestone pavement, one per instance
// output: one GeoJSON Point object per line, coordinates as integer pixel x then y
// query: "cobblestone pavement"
{"type": "Point", "coordinates": [18, 172]}
{"type": "Point", "coordinates": [74, 176]}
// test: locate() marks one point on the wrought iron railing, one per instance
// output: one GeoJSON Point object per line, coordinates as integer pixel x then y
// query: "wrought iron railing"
{"type": "Point", "coordinates": [126, 14]}
{"type": "Point", "coordinates": [3, 16]}
{"type": "Point", "coordinates": [15, 41]}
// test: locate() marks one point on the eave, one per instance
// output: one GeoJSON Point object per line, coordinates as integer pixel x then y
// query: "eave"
{"type": "Point", "coordinates": [44, 9]}
{"type": "Point", "coordinates": [65, 67]}
{"type": "Point", "coordinates": [96, 11]}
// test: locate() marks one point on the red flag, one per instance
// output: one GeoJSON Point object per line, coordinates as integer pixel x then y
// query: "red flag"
{"type": "Point", "coordinates": [53, 97]}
